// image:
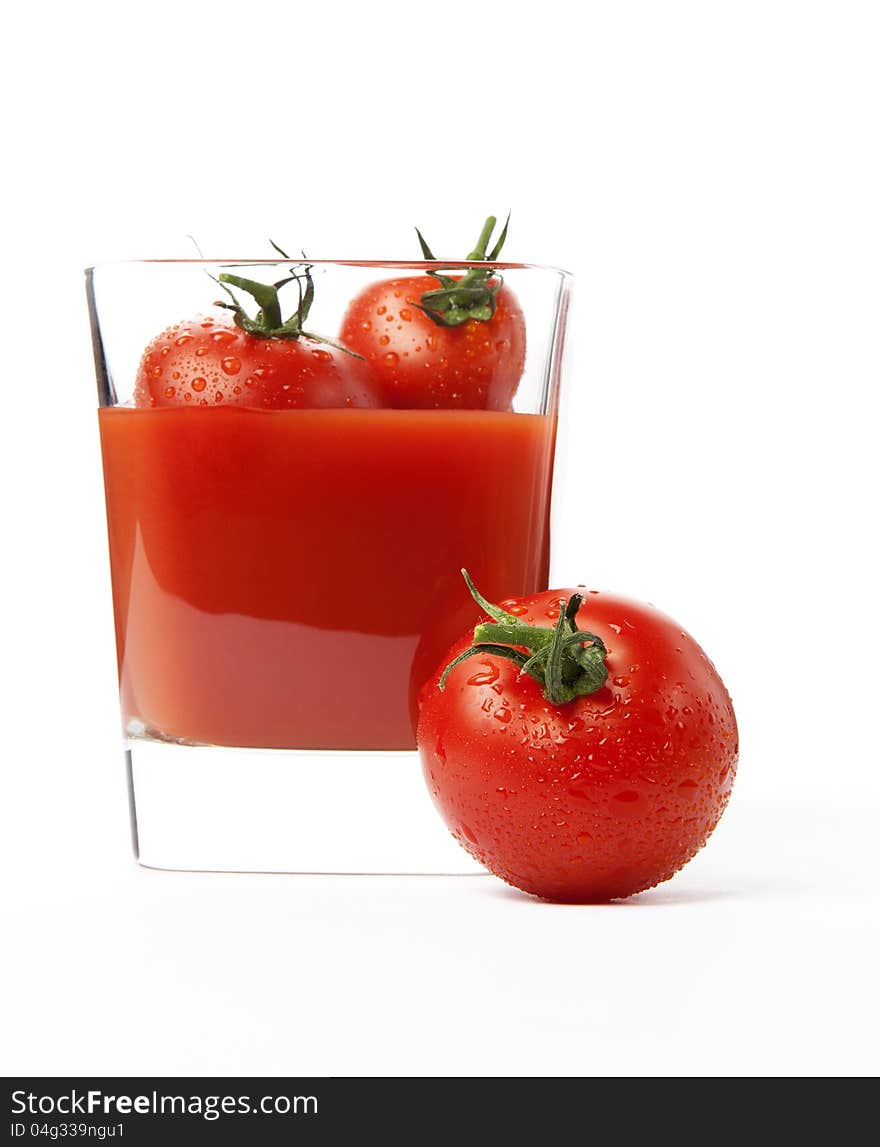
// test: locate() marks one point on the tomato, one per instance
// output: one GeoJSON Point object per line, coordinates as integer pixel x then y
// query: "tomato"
{"type": "Point", "coordinates": [421, 364]}
{"type": "Point", "coordinates": [265, 362]}
{"type": "Point", "coordinates": [206, 361]}
{"type": "Point", "coordinates": [443, 340]}
{"type": "Point", "coordinates": [596, 798]}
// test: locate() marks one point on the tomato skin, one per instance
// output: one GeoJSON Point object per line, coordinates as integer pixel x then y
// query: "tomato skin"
{"type": "Point", "coordinates": [422, 365]}
{"type": "Point", "coordinates": [594, 800]}
{"type": "Point", "coordinates": [207, 361]}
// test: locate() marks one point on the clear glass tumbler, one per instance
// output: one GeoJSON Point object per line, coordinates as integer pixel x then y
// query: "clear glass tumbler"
{"type": "Point", "coordinates": [286, 576]}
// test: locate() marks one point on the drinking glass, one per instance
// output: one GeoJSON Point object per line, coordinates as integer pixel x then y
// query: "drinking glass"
{"type": "Point", "coordinates": [285, 580]}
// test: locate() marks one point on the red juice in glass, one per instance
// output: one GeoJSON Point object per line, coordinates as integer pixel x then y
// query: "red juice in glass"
{"type": "Point", "coordinates": [288, 579]}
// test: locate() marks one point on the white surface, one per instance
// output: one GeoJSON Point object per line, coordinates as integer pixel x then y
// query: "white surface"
{"type": "Point", "coordinates": [760, 958]}
{"type": "Point", "coordinates": [710, 173]}
{"type": "Point", "coordinates": [239, 810]}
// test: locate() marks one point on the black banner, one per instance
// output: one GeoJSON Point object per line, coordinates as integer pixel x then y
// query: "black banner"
{"type": "Point", "coordinates": [251, 1110]}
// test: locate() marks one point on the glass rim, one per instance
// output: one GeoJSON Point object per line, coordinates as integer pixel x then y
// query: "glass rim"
{"type": "Point", "coordinates": [423, 265]}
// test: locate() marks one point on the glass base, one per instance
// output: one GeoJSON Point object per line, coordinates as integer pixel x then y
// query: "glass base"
{"type": "Point", "coordinates": [200, 808]}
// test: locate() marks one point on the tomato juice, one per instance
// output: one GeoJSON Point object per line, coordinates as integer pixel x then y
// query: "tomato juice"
{"type": "Point", "coordinates": [290, 578]}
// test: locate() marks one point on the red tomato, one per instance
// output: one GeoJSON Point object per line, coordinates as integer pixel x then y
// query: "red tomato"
{"type": "Point", "coordinates": [207, 361]}
{"type": "Point", "coordinates": [598, 798]}
{"type": "Point", "coordinates": [421, 364]}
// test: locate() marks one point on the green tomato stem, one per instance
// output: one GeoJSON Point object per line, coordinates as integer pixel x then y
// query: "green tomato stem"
{"type": "Point", "coordinates": [269, 323]}
{"type": "Point", "coordinates": [530, 637]}
{"type": "Point", "coordinates": [479, 252]}
{"type": "Point", "coordinates": [566, 661]}
{"type": "Point", "coordinates": [473, 296]}
{"type": "Point", "coordinates": [265, 295]}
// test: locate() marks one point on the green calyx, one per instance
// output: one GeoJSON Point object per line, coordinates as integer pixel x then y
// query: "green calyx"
{"type": "Point", "coordinates": [269, 323]}
{"type": "Point", "coordinates": [458, 301]}
{"type": "Point", "coordinates": [567, 662]}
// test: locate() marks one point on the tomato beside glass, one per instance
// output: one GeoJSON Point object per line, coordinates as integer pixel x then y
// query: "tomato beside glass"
{"type": "Point", "coordinates": [599, 798]}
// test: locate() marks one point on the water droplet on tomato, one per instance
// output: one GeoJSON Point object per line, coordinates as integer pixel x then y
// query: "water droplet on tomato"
{"type": "Point", "coordinates": [515, 607]}
{"type": "Point", "coordinates": [156, 372]}
{"type": "Point", "coordinates": [502, 346]}
{"type": "Point", "coordinates": [621, 681]}
{"type": "Point", "coordinates": [580, 787]}
{"type": "Point", "coordinates": [230, 365]}
{"type": "Point", "coordinates": [224, 336]}
{"type": "Point", "coordinates": [384, 340]}
{"type": "Point", "coordinates": [502, 715]}
{"type": "Point", "coordinates": [202, 351]}
{"type": "Point", "coordinates": [406, 315]}
{"type": "Point", "coordinates": [688, 783]}
{"type": "Point", "coordinates": [486, 676]}
{"type": "Point", "coordinates": [218, 396]}
{"type": "Point", "coordinates": [391, 359]}
{"type": "Point", "coordinates": [198, 384]}
{"type": "Point", "coordinates": [183, 340]}
{"type": "Point", "coordinates": [381, 310]}
{"type": "Point", "coordinates": [616, 628]}
{"type": "Point", "coordinates": [208, 323]}
{"type": "Point", "coordinates": [322, 355]}
{"type": "Point", "coordinates": [169, 391]}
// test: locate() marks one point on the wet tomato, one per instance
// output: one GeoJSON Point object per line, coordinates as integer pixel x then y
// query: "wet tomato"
{"type": "Point", "coordinates": [422, 364]}
{"type": "Point", "coordinates": [208, 361]}
{"type": "Point", "coordinates": [597, 797]}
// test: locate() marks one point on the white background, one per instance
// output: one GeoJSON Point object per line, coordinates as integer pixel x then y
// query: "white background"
{"type": "Point", "coordinates": [709, 171]}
